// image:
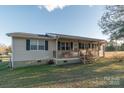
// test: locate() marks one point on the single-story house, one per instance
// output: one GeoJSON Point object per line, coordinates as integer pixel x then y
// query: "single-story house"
{"type": "Point", "coordinates": [31, 49]}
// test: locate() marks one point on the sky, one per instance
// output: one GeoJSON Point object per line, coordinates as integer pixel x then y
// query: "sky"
{"type": "Point", "coordinates": [71, 20]}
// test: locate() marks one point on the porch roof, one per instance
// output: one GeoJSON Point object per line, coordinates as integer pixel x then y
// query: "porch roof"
{"type": "Point", "coordinates": [76, 37]}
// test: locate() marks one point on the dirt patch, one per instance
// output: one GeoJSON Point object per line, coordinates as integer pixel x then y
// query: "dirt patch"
{"type": "Point", "coordinates": [114, 54]}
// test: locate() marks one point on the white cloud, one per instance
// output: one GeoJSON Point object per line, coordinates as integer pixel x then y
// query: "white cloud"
{"type": "Point", "coordinates": [51, 7]}
{"type": "Point", "coordinates": [91, 6]}
{"type": "Point", "coordinates": [40, 7]}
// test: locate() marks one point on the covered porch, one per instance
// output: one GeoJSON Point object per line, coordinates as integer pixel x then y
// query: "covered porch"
{"type": "Point", "coordinates": [73, 49]}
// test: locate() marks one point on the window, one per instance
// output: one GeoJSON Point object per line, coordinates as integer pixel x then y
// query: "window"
{"type": "Point", "coordinates": [68, 46]}
{"type": "Point", "coordinates": [81, 45]}
{"type": "Point", "coordinates": [41, 45]}
{"type": "Point", "coordinates": [71, 45]}
{"type": "Point", "coordinates": [65, 45]}
{"type": "Point", "coordinates": [89, 45]}
{"type": "Point", "coordinates": [93, 46]}
{"type": "Point", "coordinates": [37, 44]}
{"type": "Point", "coordinates": [33, 44]}
{"type": "Point", "coordinates": [86, 46]}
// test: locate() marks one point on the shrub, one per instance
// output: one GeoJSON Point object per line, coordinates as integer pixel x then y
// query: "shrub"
{"type": "Point", "coordinates": [50, 62]}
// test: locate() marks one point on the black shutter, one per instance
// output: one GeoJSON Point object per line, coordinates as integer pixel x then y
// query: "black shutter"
{"type": "Point", "coordinates": [46, 45]}
{"type": "Point", "coordinates": [58, 45]}
{"type": "Point", "coordinates": [27, 44]}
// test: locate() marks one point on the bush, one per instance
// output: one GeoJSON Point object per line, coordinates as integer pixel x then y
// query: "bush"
{"type": "Point", "coordinates": [50, 62]}
{"type": "Point", "coordinates": [110, 48]}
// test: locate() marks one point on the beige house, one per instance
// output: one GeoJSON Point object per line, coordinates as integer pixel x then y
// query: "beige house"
{"type": "Point", "coordinates": [33, 49]}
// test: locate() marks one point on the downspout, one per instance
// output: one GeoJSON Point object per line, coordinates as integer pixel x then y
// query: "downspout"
{"type": "Point", "coordinates": [56, 49]}
{"type": "Point", "coordinates": [11, 58]}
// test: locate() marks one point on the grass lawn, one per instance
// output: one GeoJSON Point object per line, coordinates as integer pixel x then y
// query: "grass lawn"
{"type": "Point", "coordinates": [103, 73]}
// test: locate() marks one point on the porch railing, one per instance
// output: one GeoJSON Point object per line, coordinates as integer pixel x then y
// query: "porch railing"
{"type": "Point", "coordinates": [66, 54]}
{"type": "Point", "coordinates": [72, 54]}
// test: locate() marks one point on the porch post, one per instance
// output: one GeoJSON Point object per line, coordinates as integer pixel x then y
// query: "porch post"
{"type": "Point", "coordinates": [103, 50]}
{"type": "Point", "coordinates": [98, 49]}
{"type": "Point", "coordinates": [78, 49]}
{"type": "Point", "coordinates": [85, 53]}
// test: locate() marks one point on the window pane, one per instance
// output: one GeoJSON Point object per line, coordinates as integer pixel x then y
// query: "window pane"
{"type": "Point", "coordinates": [95, 45]}
{"type": "Point", "coordinates": [33, 44]}
{"type": "Point", "coordinates": [71, 45]}
{"type": "Point", "coordinates": [82, 46]}
{"type": "Point", "coordinates": [86, 46]}
{"type": "Point", "coordinates": [41, 45]}
{"type": "Point", "coordinates": [63, 46]}
{"type": "Point", "coordinates": [89, 45]}
{"type": "Point", "coordinates": [92, 45]}
{"type": "Point", "coordinates": [68, 46]}
{"type": "Point", "coordinates": [33, 47]}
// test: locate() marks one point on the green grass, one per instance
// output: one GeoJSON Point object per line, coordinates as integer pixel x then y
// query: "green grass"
{"type": "Point", "coordinates": [103, 73]}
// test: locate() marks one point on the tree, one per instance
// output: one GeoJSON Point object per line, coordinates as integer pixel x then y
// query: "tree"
{"type": "Point", "coordinates": [111, 46]}
{"type": "Point", "coordinates": [8, 50]}
{"type": "Point", "coordinates": [5, 49]}
{"type": "Point", "coordinates": [112, 22]}
{"type": "Point", "coordinates": [122, 47]}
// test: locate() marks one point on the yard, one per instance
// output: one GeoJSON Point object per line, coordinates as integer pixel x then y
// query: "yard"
{"type": "Point", "coordinates": [103, 73]}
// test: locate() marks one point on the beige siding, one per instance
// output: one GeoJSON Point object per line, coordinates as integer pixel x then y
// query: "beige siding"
{"type": "Point", "coordinates": [21, 54]}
